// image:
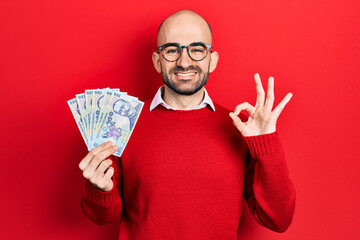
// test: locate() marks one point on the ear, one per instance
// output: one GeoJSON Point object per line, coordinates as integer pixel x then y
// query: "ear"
{"type": "Point", "coordinates": [213, 61]}
{"type": "Point", "coordinates": [156, 61]}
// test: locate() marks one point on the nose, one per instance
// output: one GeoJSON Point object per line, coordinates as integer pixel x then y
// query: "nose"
{"type": "Point", "coordinates": [184, 61]}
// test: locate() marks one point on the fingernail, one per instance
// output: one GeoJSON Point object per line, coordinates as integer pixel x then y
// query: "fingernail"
{"type": "Point", "coordinates": [108, 143]}
{"type": "Point", "coordinates": [115, 147]}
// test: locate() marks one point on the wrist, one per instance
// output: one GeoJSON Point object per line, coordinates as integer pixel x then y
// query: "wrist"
{"type": "Point", "coordinates": [264, 144]}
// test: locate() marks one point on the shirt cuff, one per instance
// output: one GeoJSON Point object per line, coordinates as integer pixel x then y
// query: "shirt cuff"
{"type": "Point", "coordinates": [266, 144]}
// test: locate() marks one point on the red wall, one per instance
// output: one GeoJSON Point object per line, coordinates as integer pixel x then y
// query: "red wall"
{"type": "Point", "coordinates": [52, 50]}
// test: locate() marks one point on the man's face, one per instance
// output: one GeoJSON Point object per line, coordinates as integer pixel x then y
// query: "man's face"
{"type": "Point", "coordinates": [184, 76]}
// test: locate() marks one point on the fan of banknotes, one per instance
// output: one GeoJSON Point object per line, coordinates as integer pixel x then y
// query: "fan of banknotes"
{"type": "Point", "coordinates": [105, 114]}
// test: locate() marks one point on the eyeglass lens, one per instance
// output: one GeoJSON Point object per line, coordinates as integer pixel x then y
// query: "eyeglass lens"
{"type": "Point", "coordinates": [196, 52]}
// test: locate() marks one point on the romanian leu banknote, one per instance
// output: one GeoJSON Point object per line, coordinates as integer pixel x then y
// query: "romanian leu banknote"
{"type": "Point", "coordinates": [105, 114]}
{"type": "Point", "coordinates": [89, 100]}
{"type": "Point", "coordinates": [101, 113]}
{"type": "Point", "coordinates": [81, 100]}
{"type": "Point", "coordinates": [74, 107]}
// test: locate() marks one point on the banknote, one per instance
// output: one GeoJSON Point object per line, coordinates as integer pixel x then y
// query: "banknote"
{"type": "Point", "coordinates": [89, 115]}
{"type": "Point", "coordinates": [95, 109]}
{"type": "Point", "coordinates": [122, 112]}
{"type": "Point", "coordinates": [81, 100]}
{"type": "Point", "coordinates": [74, 107]}
{"type": "Point", "coordinates": [102, 103]}
{"type": "Point", "coordinates": [127, 107]}
{"type": "Point", "coordinates": [105, 114]}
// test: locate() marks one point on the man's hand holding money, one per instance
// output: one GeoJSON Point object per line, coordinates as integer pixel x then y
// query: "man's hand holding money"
{"type": "Point", "coordinates": [97, 168]}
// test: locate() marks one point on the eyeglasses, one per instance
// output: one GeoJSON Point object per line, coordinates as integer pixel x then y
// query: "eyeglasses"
{"type": "Point", "coordinates": [197, 51]}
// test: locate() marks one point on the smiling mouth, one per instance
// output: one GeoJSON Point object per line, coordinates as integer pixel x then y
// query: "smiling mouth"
{"type": "Point", "coordinates": [185, 74]}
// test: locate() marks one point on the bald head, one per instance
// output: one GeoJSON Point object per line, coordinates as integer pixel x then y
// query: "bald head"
{"type": "Point", "coordinates": [184, 27]}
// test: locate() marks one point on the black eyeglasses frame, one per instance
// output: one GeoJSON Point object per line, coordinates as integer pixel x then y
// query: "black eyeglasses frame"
{"type": "Point", "coordinates": [162, 47]}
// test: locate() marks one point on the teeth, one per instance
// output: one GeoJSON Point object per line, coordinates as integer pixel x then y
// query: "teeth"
{"type": "Point", "coordinates": [185, 74]}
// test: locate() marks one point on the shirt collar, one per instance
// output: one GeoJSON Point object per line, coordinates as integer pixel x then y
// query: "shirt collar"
{"type": "Point", "coordinates": [158, 100]}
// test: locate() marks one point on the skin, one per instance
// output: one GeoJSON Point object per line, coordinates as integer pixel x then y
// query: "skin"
{"type": "Point", "coordinates": [262, 119]}
{"type": "Point", "coordinates": [185, 27]}
{"type": "Point", "coordinates": [97, 168]}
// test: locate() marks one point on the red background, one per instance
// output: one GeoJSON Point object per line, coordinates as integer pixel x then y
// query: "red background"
{"type": "Point", "coordinates": [52, 50]}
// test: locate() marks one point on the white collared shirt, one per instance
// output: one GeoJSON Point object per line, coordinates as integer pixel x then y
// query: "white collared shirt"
{"type": "Point", "coordinates": [159, 100]}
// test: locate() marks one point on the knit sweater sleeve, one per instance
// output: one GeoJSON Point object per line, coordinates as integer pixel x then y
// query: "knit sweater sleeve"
{"type": "Point", "coordinates": [268, 190]}
{"type": "Point", "coordinates": [103, 207]}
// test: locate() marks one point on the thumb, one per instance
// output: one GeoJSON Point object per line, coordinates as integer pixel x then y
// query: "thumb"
{"type": "Point", "coordinates": [237, 121]}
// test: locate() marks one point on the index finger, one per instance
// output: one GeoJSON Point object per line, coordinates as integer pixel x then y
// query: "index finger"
{"type": "Point", "coordinates": [86, 160]}
{"type": "Point", "coordinates": [259, 90]}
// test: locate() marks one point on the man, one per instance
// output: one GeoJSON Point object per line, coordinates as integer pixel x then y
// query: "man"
{"type": "Point", "coordinates": [186, 169]}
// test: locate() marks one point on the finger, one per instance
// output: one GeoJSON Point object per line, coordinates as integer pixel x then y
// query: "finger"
{"type": "Point", "coordinates": [237, 121]}
{"type": "Point", "coordinates": [97, 159]}
{"type": "Point", "coordinates": [260, 98]}
{"type": "Point", "coordinates": [86, 160]}
{"type": "Point", "coordinates": [103, 166]}
{"type": "Point", "coordinates": [109, 173]}
{"type": "Point", "coordinates": [99, 173]}
{"type": "Point", "coordinates": [107, 179]}
{"type": "Point", "coordinates": [104, 182]}
{"type": "Point", "coordinates": [269, 103]}
{"type": "Point", "coordinates": [244, 106]}
{"type": "Point", "coordinates": [282, 105]}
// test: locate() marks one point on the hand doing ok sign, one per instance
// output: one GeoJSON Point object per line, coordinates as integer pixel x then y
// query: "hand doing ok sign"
{"type": "Point", "coordinates": [262, 119]}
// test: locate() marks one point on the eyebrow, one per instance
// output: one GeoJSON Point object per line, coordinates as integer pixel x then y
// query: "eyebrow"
{"type": "Point", "coordinates": [196, 43]}
{"type": "Point", "coordinates": [191, 44]}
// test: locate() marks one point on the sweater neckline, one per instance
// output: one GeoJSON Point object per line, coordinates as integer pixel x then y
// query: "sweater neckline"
{"type": "Point", "coordinates": [182, 114]}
